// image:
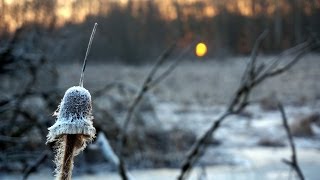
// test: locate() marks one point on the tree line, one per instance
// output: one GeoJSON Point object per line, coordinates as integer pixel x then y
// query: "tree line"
{"type": "Point", "coordinates": [135, 30]}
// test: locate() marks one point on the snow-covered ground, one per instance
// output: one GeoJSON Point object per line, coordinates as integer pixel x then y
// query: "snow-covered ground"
{"type": "Point", "coordinates": [239, 154]}
{"type": "Point", "coordinates": [254, 163]}
{"type": "Point", "coordinates": [245, 129]}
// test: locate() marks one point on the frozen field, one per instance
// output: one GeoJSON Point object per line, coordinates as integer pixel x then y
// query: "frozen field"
{"type": "Point", "coordinates": [251, 145]}
{"type": "Point", "coordinates": [205, 81]}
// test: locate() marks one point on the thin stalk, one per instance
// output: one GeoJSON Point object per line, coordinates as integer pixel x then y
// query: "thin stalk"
{"type": "Point", "coordinates": [87, 52]}
{"type": "Point", "coordinates": [68, 155]}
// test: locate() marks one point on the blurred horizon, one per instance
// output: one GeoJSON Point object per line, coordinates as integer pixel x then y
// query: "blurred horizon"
{"type": "Point", "coordinates": [76, 11]}
{"type": "Point", "coordinates": [134, 30]}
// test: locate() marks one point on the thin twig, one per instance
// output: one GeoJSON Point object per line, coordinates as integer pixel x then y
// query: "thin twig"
{"type": "Point", "coordinates": [33, 70]}
{"type": "Point", "coordinates": [133, 106]}
{"type": "Point", "coordinates": [199, 147]}
{"type": "Point", "coordinates": [115, 84]}
{"type": "Point", "coordinates": [294, 162]}
{"type": "Point", "coordinates": [252, 63]}
{"type": "Point", "coordinates": [87, 53]}
{"type": "Point", "coordinates": [145, 86]}
{"type": "Point", "coordinates": [10, 139]}
{"type": "Point", "coordinates": [171, 67]}
{"type": "Point", "coordinates": [300, 50]}
{"type": "Point", "coordinates": [33, 167]}
{"type": "Point", "coordinates": [149, 83]}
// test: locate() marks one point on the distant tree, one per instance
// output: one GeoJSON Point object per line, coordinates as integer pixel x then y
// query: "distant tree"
{"type": "Point", "coordinates": [296, 9]}
{"type": "Point", "coordinates": [277, 24]}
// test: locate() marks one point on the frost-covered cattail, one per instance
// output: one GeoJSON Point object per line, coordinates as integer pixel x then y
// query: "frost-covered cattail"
{"type": "Point", "coordinates": [72, 130]}
{"type": "Point", "coordinates": [74, 116]}
{"type": "Point", "coordinates": [73, 127]}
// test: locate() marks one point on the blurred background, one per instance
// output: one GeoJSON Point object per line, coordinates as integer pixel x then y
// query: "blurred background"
{"type": "Point", "coordinates": [42, 46]}
{"type": "Point", "coordinates": [135, 31]}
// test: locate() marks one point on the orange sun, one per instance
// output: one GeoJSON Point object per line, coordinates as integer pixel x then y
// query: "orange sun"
{"type": "Point", "coordinates": [201, 49]}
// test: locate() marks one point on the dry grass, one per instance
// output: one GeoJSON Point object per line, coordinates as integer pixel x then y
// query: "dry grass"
{"type": "Point", "coordinates": [206, 82]}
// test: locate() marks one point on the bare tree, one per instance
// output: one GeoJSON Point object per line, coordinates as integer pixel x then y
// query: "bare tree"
{"type": "Point", "coordinates": [277, 24]}
{"type": "Point", "coordinates": [296, 9]}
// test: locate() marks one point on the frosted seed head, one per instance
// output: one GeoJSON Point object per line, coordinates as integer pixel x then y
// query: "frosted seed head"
{"type": "Point", "coordinates": [74, 115]}
{"type": "Point", "coordinates": [76, 102]}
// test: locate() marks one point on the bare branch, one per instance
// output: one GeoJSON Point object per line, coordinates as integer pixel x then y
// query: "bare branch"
{"type": "Point", "coordinates": [294, 162]}
{"type": "Point", "coordinates": [160, 60]}
{"type": "Point", "coordinates": [103, 143]}
{"type": "Point", "coordinates": [252, 77]}
{"type": "Point", "coordinates": [12, 139]}
{"type": "Point", "coordinates": [252, 63]}
{"type": "Point", "coordinates": [107, 151]}
{"type": "Point", "coordinates": [199, 147]}
{"type": "Point", "coordinates": [145, 86]}
{"type": "Point", "coordinates": [149, 82]}
{"type": "Point", "coordinates": [171, 67]}
{"type": "Point", "coordinates": [272, 70]}
{"type": "Point", "coordinates": [33, 167]}
{"type": "Point", "coordinates": [129, 87]}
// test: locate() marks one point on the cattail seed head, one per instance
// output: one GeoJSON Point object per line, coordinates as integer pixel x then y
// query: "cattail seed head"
{"type": "Point", "coordinates": [74, 115]}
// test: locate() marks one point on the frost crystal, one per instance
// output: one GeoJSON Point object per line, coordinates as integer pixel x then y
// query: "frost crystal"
{"type": "Point", "coordinates": [74, 115]}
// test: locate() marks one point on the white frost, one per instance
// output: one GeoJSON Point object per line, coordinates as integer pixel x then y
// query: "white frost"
{"type": "Point", "coordinates": [74, 114]}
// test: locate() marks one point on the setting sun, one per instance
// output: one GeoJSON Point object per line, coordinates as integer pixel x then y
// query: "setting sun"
{"type": "Point", "coordinates": [201, 49]}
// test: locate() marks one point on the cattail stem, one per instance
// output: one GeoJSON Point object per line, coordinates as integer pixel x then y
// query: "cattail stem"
{"type": "Point", "coordinates": [67, 161]}
{"type": "Point", "coordinates": [87, 52]}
